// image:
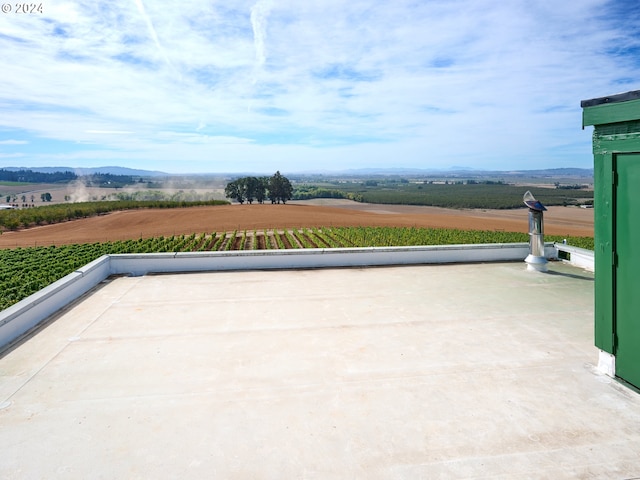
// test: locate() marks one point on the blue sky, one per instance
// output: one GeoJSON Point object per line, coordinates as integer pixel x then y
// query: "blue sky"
{"type": "Point", "coordinates": [239, 86]}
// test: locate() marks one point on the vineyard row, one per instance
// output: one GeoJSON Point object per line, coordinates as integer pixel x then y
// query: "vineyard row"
{"type": "Point", "coordinates": [27, 270]}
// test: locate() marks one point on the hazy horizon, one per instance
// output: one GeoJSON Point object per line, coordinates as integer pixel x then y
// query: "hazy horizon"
{"type": "Point", "coordinates": [265, 85]}
{"type": "Point", "coordinates": [377, 171]}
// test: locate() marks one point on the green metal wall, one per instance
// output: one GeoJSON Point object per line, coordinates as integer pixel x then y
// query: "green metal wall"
{"type": "Point", "coordinates": [616, 130]}
{"type": "Point", "coordinates": [627, 239]}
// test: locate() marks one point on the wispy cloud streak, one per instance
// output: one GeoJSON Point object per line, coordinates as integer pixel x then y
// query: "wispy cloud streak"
{"type": "Point", "coordinates": [334, 83]}
{"type": "Point", "coordinates": [259, 14]}
{"type": "Point", "coordinates": [152, 31]}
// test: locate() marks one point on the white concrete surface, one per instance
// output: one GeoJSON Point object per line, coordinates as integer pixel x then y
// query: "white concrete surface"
{"type": "Point", "coordinates": [27, 314]}
{"type": "Point", "coordinates": [449, 371]}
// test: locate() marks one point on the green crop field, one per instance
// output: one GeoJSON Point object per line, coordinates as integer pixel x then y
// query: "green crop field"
{"type": "Point", "coordinates": [451, 195]}
{"type": "Point", "coordinates": [24, 218]}
{"type": "Point", "coordinates": [27, 270]}
{"type": "Point", "coordinates": [6, 183]}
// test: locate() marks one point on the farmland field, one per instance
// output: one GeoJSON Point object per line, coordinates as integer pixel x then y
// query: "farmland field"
{"type": "Point", "coordinates": [134, 224]}
{"type": "Point", "coordinates": [447, 195]}
{"type": "Point", "coordinates": [34, 257]}
{"type": "Point", "coordinates": [27, 270]}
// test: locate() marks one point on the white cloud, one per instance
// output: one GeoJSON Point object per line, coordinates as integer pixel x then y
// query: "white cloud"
{"type": "Point", "coordinates": [109, 132]}
{"type": "Point", "coordinates": [341, 83]}
{"type": "Point", "coordinates": [179, 137]}
{"type": "Point", "coordinates": [13, 142]}
{"type": "Point", "coordinates": [259, 14]}
{"type": "Point", "coordinates": [152, 31]}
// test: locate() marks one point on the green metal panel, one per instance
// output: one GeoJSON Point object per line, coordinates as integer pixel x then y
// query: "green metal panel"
{"type": "Point", "coordinates": [611, 113]}
{"type": "Point", "coordinates": [627, 280]}
{"type": "Point", "coordinates": [617, 143]}
{"type": "Point", "coordinates": [617, 130]}
{"type": "Point", "coordinates": [616, 147]}
{"type": "Point", "coordinates": [603, 242]}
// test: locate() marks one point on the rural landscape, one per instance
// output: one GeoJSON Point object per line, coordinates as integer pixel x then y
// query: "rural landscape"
{"type": "Point", "coordinates": [55, 222]}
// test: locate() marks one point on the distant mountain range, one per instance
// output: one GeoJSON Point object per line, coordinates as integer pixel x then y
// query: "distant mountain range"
{"type": "Point", "coordinates": [361, 172]}
{"type": "Point", "coordinates": [465, 171]}
{"type": "Point", "coordinates": [92, 170]}
{"type": "Point", "coordinates": [553, 172]}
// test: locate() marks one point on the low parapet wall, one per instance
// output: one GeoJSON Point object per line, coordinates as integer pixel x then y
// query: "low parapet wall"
{"type": "Point", "coordinates": [142, 264]}
{"type": "Point", "coordinates": [580, 257]}
{"type": "Point", "coordinates": [27, 314]}
{"type": "Point", "coordinates": [21, 318]}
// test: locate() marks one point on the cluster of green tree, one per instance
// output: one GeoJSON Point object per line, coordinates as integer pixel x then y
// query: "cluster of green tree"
{"type": "Point", "coordinates": [453, 195]}
{"type": "Point", "coordinates": [108, 180]}
{"type": "Point", "coordinates": [276, 188]}
{"type": "Point", "coordinates": [570, 187]}
{"type": "Point", "coordinates": [484, 182]}
{"type": "Point", "coordinates": [29, 176]}
{"type": "Point", "coordinates": [14, 219]}
{"type": "Point", "coordinates": [306, 192]}
{"type": "Point", "coordinates": [94, 180]}
{"type": "Point", "coordinates": [27, 270]}
{"type": "Point", "coordinates": [14, 198]}
{"type": "Point", "coordinates": [159, 195]}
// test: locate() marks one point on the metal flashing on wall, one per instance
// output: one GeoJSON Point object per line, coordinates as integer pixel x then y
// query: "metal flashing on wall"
{"type": "Point", "coordinates": [618, 97]}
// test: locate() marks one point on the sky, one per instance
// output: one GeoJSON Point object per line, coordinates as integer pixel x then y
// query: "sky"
{"type": "Point", "coordinates": [307, 86]}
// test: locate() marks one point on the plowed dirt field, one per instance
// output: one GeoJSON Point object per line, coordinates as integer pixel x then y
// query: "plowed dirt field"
{"type": "Point", "coordinates": [133, 224]}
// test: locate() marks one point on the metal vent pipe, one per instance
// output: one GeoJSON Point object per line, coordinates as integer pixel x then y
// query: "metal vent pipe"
{"type": "Point", "coordinates": [536, 260]}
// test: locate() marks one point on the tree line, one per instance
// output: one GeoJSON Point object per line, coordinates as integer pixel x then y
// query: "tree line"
{"type": "Point", "coordinates": [29, 176]}
{"type": "Point", "coordinates": [276, 188]}
{"type": "Point", "coordinates": [94, 179]}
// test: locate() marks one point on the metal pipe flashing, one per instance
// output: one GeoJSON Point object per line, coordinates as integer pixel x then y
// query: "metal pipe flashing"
{"type": "Point", "coordinates": [536, 260]}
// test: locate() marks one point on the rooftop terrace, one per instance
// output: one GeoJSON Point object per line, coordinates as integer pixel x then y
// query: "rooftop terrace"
{"type": "Point", "coordinates": [428, 371]}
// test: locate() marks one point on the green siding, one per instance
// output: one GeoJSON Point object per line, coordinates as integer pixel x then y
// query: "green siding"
{"type": "Point", "coordinates": [611, 113]}
{"type": "Point", "coordinates": [616, 134]}
{"type": "Point", "coordinates": [627, 283]}
{"type": "Point", "coordinates": [608, 144]}
{"type": "Point", "coordinates": [603, 182]}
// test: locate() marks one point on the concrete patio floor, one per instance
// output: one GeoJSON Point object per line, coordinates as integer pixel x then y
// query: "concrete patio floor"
{"type": "Point", "coordinates": [441, 371]}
